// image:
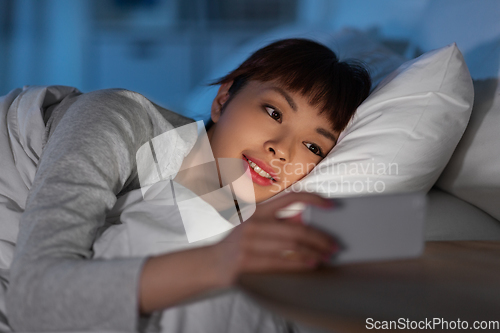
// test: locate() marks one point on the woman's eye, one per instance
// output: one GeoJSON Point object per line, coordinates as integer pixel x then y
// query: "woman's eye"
{"type": "Point", "coordinates": [276, 115]}
{"type": "Point", "coordinates": [314, 148]}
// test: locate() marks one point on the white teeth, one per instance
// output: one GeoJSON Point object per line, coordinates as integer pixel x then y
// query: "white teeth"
{"type": "Point", "coordinates": [259, 170]}
{"type": "Point", "coordinates": [264, 174]}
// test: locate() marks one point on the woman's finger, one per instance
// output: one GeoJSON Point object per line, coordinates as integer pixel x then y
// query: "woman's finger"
{"type": "Point", "coordinates": [297, 233]}
{"type": "Point", "coordinates": [260, 264]}
{"type": "Point", "coordinates": [284, 250]}
{"type": "Point", "coordinates": [296, 219]}
{"type": "Point", "coordinates": [271, 206]}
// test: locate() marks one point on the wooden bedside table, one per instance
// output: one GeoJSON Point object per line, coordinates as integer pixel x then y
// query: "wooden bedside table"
{"type": "Point", "coordinates": [451, 280]}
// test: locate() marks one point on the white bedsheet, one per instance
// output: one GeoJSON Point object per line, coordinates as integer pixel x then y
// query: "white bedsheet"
{"type": "Point", "coordinates": [148, 227]}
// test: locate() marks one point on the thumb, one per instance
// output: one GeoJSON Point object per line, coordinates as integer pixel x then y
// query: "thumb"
{"type": "Point", "coordinates": [304, 197]}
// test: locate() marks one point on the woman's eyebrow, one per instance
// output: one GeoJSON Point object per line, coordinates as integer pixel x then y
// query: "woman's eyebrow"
{"type": "Point", "coordinates": [288, 98]}
{"type": "Point", "coordinates": [326, 134]}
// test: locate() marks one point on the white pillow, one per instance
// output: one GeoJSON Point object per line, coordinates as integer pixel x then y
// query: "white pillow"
{"type": "Point", "coordinates": [403, 134]}
{"type": "Point", "coordinates": [473, 173]}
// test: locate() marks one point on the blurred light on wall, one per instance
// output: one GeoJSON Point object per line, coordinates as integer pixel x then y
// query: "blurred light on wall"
{"type": "Point", "coordinates": [160, 48]}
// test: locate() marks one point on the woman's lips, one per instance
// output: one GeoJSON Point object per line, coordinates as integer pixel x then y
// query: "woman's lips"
{"type": "Point", "coordinates": [256, 178]}
{"type": "Point", "coordinates": [261, 164]}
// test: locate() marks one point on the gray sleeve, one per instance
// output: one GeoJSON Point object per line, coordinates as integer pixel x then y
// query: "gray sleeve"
{"type": "Point", "coordinates": [88, 159]}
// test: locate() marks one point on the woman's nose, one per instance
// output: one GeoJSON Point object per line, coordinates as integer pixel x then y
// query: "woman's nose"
{"type": "Point", "coordinates": [281, 149]}
{"type": "Point", "coordinates": [278, 154]}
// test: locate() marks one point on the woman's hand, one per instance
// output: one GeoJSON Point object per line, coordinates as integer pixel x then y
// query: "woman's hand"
{"type": "Point", "coordinates": [265, 243]}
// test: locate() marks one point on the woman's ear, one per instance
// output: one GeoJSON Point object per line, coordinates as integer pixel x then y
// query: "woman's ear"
{"type": "Point", "coordinates": [219, 100]}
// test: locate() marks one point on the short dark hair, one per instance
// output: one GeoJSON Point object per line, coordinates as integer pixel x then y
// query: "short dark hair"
{"type": "Point", "coordinates": [312, 69]}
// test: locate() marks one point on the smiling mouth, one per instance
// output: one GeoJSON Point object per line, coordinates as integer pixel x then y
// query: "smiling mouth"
{"type": "Point", "coordinates": [259, 170]}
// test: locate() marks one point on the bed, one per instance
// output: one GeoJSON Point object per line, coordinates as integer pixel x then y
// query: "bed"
{"type": "Point", "coordinates": [458, 159]}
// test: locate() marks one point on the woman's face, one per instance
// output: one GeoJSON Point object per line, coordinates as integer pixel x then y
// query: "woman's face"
{"type": "Point", "coordinates": [274, 130]}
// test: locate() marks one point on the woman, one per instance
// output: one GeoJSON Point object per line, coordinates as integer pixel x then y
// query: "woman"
{"type": "Point", "coordinates": [281, 112]}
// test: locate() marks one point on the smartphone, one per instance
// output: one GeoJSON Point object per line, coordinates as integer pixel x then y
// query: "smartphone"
{"type": "Point", "coordinates": [377, 227]}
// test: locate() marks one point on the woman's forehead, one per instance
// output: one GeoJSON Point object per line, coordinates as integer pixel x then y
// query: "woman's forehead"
{"type": "Point", "coordinates": [293, 98]}
{"type": "Point", "coordinates": [295, 101]}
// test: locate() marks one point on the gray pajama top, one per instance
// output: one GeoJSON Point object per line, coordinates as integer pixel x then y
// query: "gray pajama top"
{"type": "Point", "coordinates": [88, 160]}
